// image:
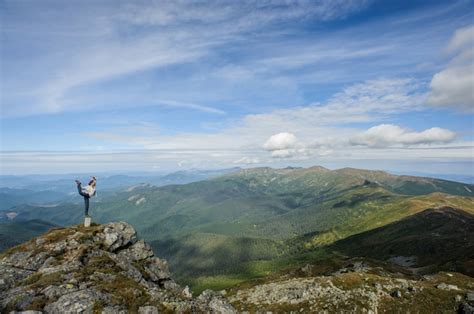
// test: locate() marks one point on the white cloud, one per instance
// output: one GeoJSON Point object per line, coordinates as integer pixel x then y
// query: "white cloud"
{"type": "Point", "coordinates": [454, 86]}
{"type": "Point", "coordinates": [87, 47]}
{"type": "Point", "coordinates": [243, 15]}
{"type": "Point", "coordinates": [247, 160]}
{"type": "Point", "coordinates": [389, 135]}
{"type": "Point", "coordinates": [285, 145]}
{"type": "Point", "coordinates": [299, 153]}
{"type": "Point", "coordinates": [315, 129]}
{"type": "Point", "coordinates": [310, 133]}
{"type": "Point", "coordinates": [280, 141]}
{"type": "Point", "coordinates": [188, 105]}
{"type": "Point", "coordinates": [462, 38]}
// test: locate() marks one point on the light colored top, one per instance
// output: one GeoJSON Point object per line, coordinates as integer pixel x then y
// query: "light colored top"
{"type": "Point", "coordinates": [88, 190]}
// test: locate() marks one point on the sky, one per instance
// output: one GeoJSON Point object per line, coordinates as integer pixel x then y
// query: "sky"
{"type": "Point", "coordinates": [93, 86]}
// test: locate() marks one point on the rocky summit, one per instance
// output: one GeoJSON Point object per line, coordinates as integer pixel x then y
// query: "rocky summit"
{"type": "Point", "coordinates": [100, 269]}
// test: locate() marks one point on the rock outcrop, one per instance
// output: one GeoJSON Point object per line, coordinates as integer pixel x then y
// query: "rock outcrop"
{"type": "Point", "coordinates": [356, 288]}
{"type": "Point", "coordinates": [100, 269]}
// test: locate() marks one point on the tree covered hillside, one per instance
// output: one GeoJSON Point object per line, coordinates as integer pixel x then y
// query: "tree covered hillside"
{"type": "Point", "coordinates": [251, 215]}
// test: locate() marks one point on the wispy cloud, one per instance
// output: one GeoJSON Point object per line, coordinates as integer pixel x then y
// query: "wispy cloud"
{"type": "Point", "coordinates": [315, 130]}
{"type": "Point", "coordinates": [316, 71]}
{"type": "Point", "coordinates": [138, 37]}
{"type": "Point", "coordinates": [454, 85]}
{"type": "Point", "coordinates": [178, 104]}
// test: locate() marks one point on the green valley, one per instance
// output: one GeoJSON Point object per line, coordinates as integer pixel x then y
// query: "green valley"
{"type": "Point", "coordinates": [253, 222]}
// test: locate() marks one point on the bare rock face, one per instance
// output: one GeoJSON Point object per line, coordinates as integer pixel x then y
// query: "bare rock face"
{"type": "Point", "coordinates": [118, 235]}
{"type": "Point", "coordinates": [99, 269]}
{"type": "Point", "coordinates": [213, 302]}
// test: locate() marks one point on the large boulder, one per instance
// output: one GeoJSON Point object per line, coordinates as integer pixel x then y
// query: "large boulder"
{"type": "Point", "coordinates": [118, 235]}
{"type": "Point", "coordinates": [212, 302]}
{"type": "Point", "coordinates": [77, 302]}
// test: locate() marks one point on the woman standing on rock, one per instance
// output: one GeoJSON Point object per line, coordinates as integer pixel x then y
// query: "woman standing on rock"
{"type": "Point", "coordinates": [87, 191]}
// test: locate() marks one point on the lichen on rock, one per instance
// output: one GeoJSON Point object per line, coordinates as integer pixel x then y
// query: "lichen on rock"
{"type": "Point", "coordinates": [100, 269]}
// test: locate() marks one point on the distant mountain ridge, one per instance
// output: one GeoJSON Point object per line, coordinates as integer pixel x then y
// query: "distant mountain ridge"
{"type": "Point", "coordinates": [251, 214]}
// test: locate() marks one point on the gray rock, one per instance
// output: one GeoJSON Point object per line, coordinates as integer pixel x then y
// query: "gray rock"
{"type": "Point", "coordinates": [89, 260]}
{"type": "Point", "coordinates": [470, 296]}
{"type": "Point", "coordinates": [172, 286]}
{"type": "Point", "coordinates": [72, 244]}
{"type": "Point", "coordinates": [211, 301]}
{"type": "Point", "coordinates": [17, 298]}
{"type": "Point", "coordinates": [157, 269]}
{"type": "Point", "coordinates": [137, 252]}
{"type": "Point", "coordinates": [118, 235]}
{"type": "Point", "coordinates": [148, 310]}
{"type": "Point", "coordinates": [19, 260]}
{"type": "Point", "coordinates": [113, 310]}
{"type": "Point", "coordinates": [129, 269]}
{"type": "Point", "coordinates": [48, 262]}
{"type": "Point", "coordinates": [60, 247]}
{"type": "Point", "coordinates": [98, 276]}
{"type": "Point", "coordinates": [40, 241]}
{"type": "Point", "coordinates": [63, 268]}
{"type": "Point", "coordinates": [53, 292]}
{"type": "Point", "coordinates": [466, 308]}
{"type": "Point", "coordinates": [77, 302]}
{"type": "Point", "coordinates": [189, 295]}
{"type": "Point", "coordinates": [443, 286]}
{"type": "Point", "coordinates": [11, 275]}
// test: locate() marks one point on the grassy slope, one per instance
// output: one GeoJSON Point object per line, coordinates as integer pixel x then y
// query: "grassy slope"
{"type": "Point", "coordinates": [290, 253]}
{"type": "Point", "coordinates": [443, 237]}
{"type": "Point", "coordinates": [196, 223]}
{"type": "Point", "coordinates": [14, 233]}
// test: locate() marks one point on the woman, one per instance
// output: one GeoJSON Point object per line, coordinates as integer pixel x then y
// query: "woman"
{"type": "Point", "coordinates": [87, 192]}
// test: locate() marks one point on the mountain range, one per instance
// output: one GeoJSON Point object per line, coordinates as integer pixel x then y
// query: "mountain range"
{"type": "Point", "coordinates": [248, 223]}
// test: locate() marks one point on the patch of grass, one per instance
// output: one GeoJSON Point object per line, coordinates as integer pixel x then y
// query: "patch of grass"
{"type": "Point", "coordinates": [218, 282]}
{"type": "Point", "coordinates": [38, 304]}
{"type": "Point", "coordinates": [48, 280]}
{"type": "Point", "coordinates": [303, 307]}
{"type": "Point", "coordinates": [126, 291]}
{"type": "Point", "coordinates": [98, 307]}
{"type": "Point", "coordinates": [16, 249]}
{"type": "Point", "coordinates": [101, 264]}
{"type": "Point", "coordinates": [348, 281]}
{"type": "Point", "coordinates": [142, 270]}
{"type": "Point", "coordinates": [11, 306]}
{"type": "Point", "coordinates": [257, 272]}
{"type": "Point", "coordinates": [33, 278]}
{"type": "Point", "coordinates": [430, 300]}
{"type": "Point", "coordinates": [57, 234]}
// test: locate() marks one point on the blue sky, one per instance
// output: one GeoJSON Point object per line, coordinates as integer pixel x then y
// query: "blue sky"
{"type": "Point", "coordinates": [90, 86]}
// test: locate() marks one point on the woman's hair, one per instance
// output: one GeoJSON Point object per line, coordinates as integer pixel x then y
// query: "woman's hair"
{"type": "Point", "coordinates": [92, 182]}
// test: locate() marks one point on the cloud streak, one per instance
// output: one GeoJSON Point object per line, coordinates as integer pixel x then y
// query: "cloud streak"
{"type": "Point", "coordinates": [313, 131]}
{"type": "Point", "coordinates": [389, 135]}
{"type": "Point", "coordinates": [138, 37]}
{"type": "Point", "coordinates": [454, 86]}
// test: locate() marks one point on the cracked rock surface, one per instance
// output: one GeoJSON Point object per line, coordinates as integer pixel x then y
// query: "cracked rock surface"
{"type": "Point", "coordinates": [100, 269]}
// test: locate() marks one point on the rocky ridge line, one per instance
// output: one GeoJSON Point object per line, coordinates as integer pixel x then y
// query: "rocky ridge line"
{"type": "Point", "coordinates": [101, 269]}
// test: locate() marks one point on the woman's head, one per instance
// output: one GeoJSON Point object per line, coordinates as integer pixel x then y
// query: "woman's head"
{"type": "Point", "coordinates": [93, 182]}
